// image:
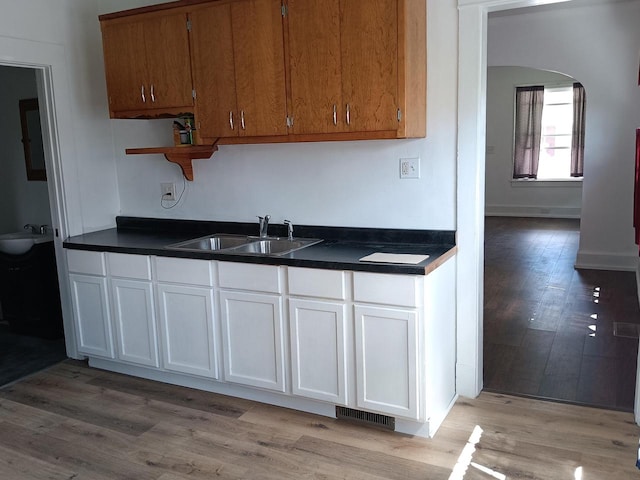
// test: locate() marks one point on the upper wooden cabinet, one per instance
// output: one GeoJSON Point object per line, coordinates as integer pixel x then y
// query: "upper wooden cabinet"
{"type": "Point", "coordinates": [273, 70]}
{"type": "Point", "coordinates": [239, 69]}
{"type": "Point", "coordinates": [147, 65]}
{"type": "Point", "coordinates": [358, 66]}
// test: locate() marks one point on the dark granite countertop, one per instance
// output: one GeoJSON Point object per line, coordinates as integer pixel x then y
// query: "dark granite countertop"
{"type": "Point", "coordinates": [341, 249]}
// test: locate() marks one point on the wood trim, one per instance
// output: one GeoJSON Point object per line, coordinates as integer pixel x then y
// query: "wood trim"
{"type": "Point", "coordinates": [412, 67]}
{"type": "Point", "coordinates": [182, 156]}
{"type": "Point", "coordinates": [440, 260]}
{"type": "Point", "coordinates": [169, 112]}
{"type": "Point", "coordinates": [320, 137]}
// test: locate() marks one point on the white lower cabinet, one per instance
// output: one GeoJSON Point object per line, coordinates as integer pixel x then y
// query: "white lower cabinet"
{"type": "Point", "coordinates": [186, 316]}
{"type": "Point", "coordinates": [252, 325]}
{"type": "Point", "coordinates": [91, 312]}
{"type": "Point", "coordinates": [134, 317]}
{"type": "Point", "coordinates": [253, 343]}
{"type": "Point", "coordinates": [387, 360]}
{"type": "Point", "coordinates": [187, 329]}
{"type": "Point", "coordinates": [318, 350]}
{"type": "Point", "coordinates": [90, 299]}
{"type": "Point", "coordinates": [133, 308]}
{"type": "Point", "coordinates": [382, 343]}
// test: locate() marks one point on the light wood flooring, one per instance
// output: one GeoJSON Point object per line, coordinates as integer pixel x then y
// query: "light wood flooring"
{"type": "Point", "coordinates": [75, 422]}
{"type": "Point", "coordinates": [548, 327]}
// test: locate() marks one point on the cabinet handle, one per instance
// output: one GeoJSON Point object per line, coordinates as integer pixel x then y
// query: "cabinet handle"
{"type": "Point", "coordinates": [335, 115]}
{"type": "Point", "coordinates": [144, 99]}
{"type": "Point", "coordinates": [153, 96]}
{"type": "Point", "coordinates": [231, 120]}
{"type": "Point", "coordinates": [242, 119]}
{"type": "Point", "coordinates": [348, 114]}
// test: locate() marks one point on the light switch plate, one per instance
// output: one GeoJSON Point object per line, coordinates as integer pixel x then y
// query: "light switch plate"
{"type": "Point", "coordinates": [410, 167]}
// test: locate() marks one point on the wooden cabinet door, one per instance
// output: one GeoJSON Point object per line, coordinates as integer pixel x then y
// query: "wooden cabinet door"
{"type": "Point", "coordinates": [369, 42]}
{"type": "Point", "coordinates": [125, 65]}
{"type": "Point", "coordinates": [258, 46]}
{"type": "Point", "coordinates": [166, 41]}
{"type": "Point", "coordinates": [318, 350]}
{"type": "Point", "coordinates": [252, 328]}
{"type": "Point", "coordinates": [91, 313]}
{"type": "Point", "coordinates": [386, 360]}
{"type": "Point", "coordinates": [147, 63]}
{"type": "Point", "coordinates": [134, 318]}
{"type": "Point", "coordinates": [214, 72]}
{"type": "Point", "coordinates": [315, 66]}
{"type": "Point", "coordinates": [187, 329]}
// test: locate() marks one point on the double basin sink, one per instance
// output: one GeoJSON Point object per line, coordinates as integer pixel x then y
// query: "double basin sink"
{"type": "Point", "coordinates": [245, 245]}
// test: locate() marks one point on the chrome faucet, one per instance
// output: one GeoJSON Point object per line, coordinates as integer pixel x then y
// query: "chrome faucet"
{"type": "Point", "coordinates": [264, 225]}
{"type": "Point", "coordinates": [289, 229]}
{"type": "Point", "coordinates": [44, 229]}
{"type": "Point", "coordinates": [33, 227]}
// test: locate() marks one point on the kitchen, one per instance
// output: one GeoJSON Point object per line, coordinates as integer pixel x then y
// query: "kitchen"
{"type": "Point", "coordinates": [346, 183]}
{"type": "Point", "coordinates": [102, 182]}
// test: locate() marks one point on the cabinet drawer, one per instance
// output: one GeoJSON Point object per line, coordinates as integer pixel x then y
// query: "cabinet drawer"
{"type": "Point", "coordinates": [311, 282]}
{"type": "Point", "coordinates": [245, 276]}
{"type": "Point", "coordinates": [82, 261]}
{"type": "Point", "coordinates": [184, 270]}
{"type": "Point", "coordinates": [129, 266]}
{"type": "Point", "coordinates": [382, 288]}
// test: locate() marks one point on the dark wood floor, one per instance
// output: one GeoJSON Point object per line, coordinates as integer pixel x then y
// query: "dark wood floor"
{"type": "Point", "coordinates": [22, 355]}
{"type": "Point", "coordinates": [76, 422]}
{"type": "Point", "coordinates": [549, 328]}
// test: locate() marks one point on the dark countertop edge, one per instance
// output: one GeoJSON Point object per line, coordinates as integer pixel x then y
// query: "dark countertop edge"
{"type": "Point", "coordinates": [341, 249]}
{"type": "Point", "coordinates": [406, 269]}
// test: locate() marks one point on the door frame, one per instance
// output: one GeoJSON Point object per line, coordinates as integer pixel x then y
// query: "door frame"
{"type": "Point", "coordinates": [472, 98]}
{"type": "Point", "coordinates": [49, 63]}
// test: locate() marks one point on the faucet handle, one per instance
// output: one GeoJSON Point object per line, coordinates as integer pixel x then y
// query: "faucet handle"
{"type": "Point", "coordinates": [264, 225]}
{"type": "Point", "coordinates": [33, 227]}
{"type": "Point", "coordinates": [289, 225]}
{"type": "Point", "coordinates": [44, 229]}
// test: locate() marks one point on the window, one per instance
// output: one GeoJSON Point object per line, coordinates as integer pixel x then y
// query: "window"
{"type": "Point", "coordinates": [549, 132]}
{"type": "Point", "coordinates": [557, 126]}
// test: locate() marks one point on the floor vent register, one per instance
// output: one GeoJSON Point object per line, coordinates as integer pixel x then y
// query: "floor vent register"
{"type": "Point", "coordinates": [366, 418]}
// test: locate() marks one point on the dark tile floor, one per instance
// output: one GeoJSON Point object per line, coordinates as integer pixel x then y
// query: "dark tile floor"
{"type": "Point", "coordinates": [548, 327]}
{"type": "Point", "coordinates": [22, 355]}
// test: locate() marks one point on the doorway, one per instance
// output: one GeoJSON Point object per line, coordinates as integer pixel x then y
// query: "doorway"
{"type": "Point", "coordinates": [31, 336]}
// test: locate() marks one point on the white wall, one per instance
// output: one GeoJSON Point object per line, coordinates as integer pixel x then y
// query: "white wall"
{"type": "Point", "coordinates": [598, 45]}
{"type": "Point", "coordinates": [22, 201]}
{"type": "Point", "coordinates": [338, 183]}
{"type": "Point", "coordinates": [503, 196]}
{"type": "Point", "coordinates": [84, 129]}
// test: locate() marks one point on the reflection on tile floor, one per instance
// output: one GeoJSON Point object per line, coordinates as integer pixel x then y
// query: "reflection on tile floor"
{"type": "Point", "coordinates": [549, 328]}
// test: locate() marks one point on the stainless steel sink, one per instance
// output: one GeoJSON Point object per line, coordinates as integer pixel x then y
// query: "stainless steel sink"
{"type": "Point", "coordinates": [212, 242]}
{"type": "Point", "coordinates": [274, 246]}
{"type": "Point", "coordinates": [245, 245]}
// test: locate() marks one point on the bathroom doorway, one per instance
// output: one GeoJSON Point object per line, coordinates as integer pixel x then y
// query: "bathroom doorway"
{"type": "Point", "coordinates": [25, 345]}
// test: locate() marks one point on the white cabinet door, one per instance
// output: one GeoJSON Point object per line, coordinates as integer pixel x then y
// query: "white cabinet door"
{"type": "Point", "coordinates": [318, 350]}
{"type": "Point", "coordinates": [187, 329]}
{"type": "Point", "coordinates": [134, 318]}
{"type": "Point", "coordinates": [91, 312]}
{"type": "Point", "coordinates": [386, 360]}
{"type": "Point", "coordinates": [253, 339]}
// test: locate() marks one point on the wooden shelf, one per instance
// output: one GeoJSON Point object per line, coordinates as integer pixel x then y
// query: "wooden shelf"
{"type": "Point", "coordinates": [179, 155]}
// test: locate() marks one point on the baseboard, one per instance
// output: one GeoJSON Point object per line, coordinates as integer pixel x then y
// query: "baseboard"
{"type": "Point", "coordinates": [532, 211]}
{"type": "Point", "coordinates": [607, 261]}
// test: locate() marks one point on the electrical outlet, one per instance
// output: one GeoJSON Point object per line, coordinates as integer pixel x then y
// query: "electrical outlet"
{"type": "Point", "coordinates": [168, 191]}
{"type": "Point", "coordinates": [410, 167]}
